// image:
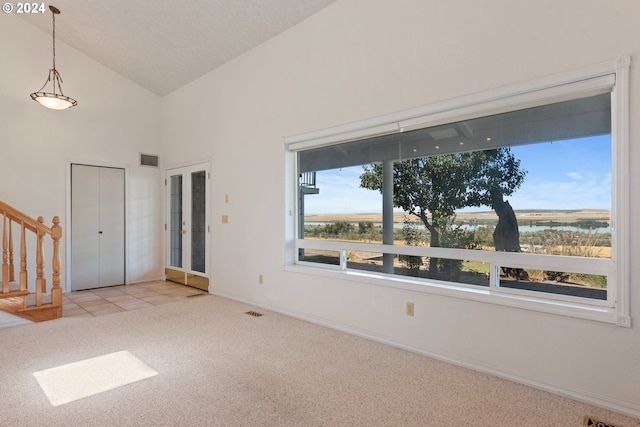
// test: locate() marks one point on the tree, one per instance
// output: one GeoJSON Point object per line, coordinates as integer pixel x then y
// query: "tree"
{"type": "Point", "coordinates": [433, 188]}
{"type": "Point", "coordinates": [498, 175]}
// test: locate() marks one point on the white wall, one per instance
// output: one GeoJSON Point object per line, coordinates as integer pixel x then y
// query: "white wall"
{"type": "Point", "coordinates": [114, 121]}
{"type": "Point", "coordinates": [358, 59]}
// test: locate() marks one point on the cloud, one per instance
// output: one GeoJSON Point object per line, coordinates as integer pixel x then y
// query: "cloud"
{"type": "Point", "coordinates": [574, 175]}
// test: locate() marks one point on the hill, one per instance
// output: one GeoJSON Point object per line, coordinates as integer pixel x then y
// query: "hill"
{"type": "Point", "coordinates": [561, 216]}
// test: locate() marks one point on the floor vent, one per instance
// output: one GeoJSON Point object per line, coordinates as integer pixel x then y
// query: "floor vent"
{"type": "Point", "coordinates": [253, 313]}
{"type": "Point", "coordinates": [594, 422]}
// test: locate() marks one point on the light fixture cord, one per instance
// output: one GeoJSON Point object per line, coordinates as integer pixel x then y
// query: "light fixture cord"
{"type": "Point", "coordinates": [54, 40]}
{"type": "Point", "coordinates": [56, 76]}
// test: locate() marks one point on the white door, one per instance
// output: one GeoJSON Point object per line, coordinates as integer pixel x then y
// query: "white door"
{"type": "Point", "coordinates": [97, 227]}
{"type": "Point", "coordinates": [187, 225]}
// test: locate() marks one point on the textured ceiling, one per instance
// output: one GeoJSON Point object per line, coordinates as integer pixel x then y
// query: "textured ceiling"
{"type": "Point", "coordinates": [164, 44]}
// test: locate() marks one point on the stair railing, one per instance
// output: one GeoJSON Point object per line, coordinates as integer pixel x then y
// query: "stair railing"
{"type": "Point", "coordinates": [11, 215]}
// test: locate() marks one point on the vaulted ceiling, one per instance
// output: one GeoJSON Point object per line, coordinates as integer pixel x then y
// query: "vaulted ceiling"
{"type": "Point", "coordinates": [164, 44]}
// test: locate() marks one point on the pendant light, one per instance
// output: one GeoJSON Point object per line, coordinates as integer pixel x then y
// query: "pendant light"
{"type": "Point", "coordinates": [55, 100]}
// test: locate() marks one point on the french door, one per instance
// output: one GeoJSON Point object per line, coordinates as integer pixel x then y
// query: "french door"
{"type": "Point", "coordinates": [187, 214]}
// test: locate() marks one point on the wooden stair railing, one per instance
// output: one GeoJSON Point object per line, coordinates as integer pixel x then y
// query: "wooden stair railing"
{"type": "Point", "coordinates": [16, 298]}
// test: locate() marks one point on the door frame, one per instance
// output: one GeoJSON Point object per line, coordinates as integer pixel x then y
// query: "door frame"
{"type": "Point", "coordinates": [206, 165]}
{"type": "Point", "coordinates": [66, 280]}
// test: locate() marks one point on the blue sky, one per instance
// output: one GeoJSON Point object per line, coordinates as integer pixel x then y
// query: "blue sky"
{"type": "Point", "coordinates": [573, 174]}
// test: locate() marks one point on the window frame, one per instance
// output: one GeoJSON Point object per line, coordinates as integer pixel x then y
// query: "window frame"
{"type": "Point", "coordinates": [610, 76]}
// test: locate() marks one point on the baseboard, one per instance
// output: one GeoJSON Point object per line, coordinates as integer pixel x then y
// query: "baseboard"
{"type": "Point", "coordinates": [135, 282]}
{"type": "Point", "coordinates": [8, 320]}
{"type": "Point", "coordinates": [599, 401]}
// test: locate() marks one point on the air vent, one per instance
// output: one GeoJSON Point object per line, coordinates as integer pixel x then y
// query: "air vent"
{"type": "Point", "coordinates": [253, 313]}
{"type": "Point", "coordinates": [594, 422]}
{"type": "Point", "coordinates": [149, 160]}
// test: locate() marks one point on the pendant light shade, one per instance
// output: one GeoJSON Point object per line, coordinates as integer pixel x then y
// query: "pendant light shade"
{"type": "Point", "coordinates": [55, 100]}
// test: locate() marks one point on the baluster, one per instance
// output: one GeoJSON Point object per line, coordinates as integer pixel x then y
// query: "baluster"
{"type": "Point", "coordinates": [56, 290]}
{"type": "Point", "coordinates": [5, 265]}
{"type": "Point", "coordinates": [23, 258]}
{"type": "Point", "coordinates": [41, 282]}
{"type": "Point", "coordinates": [11, 266]}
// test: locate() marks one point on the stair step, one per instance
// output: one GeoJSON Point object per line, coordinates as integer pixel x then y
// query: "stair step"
{"type": "Point", "coordinates": [31, 300]}
{"type": "Point", "coordinates": [23, 304]}
{"type": "Point", "coordinates": [14, 291]}
{"type": "Point", "coordinates": [13, 286]}
{"type": "Point", "coordinates": [17, 307]}
{"type": "Point", "coordinates": [40, 314]}
{"type": "Point", "coordinates": [13, 294]}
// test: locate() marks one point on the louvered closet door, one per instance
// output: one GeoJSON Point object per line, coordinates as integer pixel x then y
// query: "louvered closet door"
{"type": "Point", "coordinates": [97, 227]}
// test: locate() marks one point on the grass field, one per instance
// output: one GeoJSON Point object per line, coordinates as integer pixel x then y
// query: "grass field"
{"type": "Point", "coordinates": [580, 243]}
{"type": "Point", "coordinates": [525, 216]}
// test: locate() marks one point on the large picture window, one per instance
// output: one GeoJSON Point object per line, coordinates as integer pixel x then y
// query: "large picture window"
{"type": "Point", "coordinates": [514, 197]}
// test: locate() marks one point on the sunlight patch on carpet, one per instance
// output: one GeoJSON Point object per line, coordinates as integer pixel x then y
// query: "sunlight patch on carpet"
{"type": "Point", "coordinates": [66, 383]}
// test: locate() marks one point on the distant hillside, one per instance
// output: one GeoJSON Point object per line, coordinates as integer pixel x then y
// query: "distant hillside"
{"type": "Point", "coordinates": [559, 215]}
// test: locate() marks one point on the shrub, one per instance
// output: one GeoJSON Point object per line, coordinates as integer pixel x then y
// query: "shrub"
{"type": "Point", "coordinates": [412, 237]}
{"type": "Point", "coordinates": [339, 229]}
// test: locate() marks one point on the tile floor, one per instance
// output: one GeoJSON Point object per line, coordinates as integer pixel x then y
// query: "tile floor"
{"type": "Point", "coordinates": [115, 299]}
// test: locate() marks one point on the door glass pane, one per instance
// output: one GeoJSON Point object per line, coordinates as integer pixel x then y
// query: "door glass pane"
{"type": "Point", "coordinates": [175, 222]}
{"type": "Point", "coordinates": [198, 220]}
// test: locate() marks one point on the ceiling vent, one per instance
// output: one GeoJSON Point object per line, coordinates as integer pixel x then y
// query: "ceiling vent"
{"type": "Point", "coordinates": [149, 160]}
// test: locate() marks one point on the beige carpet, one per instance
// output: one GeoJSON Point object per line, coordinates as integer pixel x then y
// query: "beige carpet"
{"type": "Point", "coordinates": [217, 365]}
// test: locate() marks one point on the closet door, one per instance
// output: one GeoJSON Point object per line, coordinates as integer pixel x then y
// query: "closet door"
{"type": "Point", "coordinates": [97, 227]}
{"type": "Point", "coordinates": [111, 228]}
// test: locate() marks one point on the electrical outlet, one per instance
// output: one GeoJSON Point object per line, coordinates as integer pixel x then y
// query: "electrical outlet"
{"type": "Point", "coordinates": [410, 308]}
{"type": "Point", "coordinates": [260, 279]}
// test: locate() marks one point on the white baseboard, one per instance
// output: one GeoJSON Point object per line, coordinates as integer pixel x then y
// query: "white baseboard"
{"type": "Point", "coordinates": [8, 320]}
{"type": "Point", "coordinates": [591, 399]}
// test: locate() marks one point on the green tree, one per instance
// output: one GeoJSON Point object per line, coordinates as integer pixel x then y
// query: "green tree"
{"type": "Point", "coordinates": [339, 229]}
{"type": "Point", "coordinates": [412, 237]}
{"type": "Point", "coordinates": [365, 227]}
{"type": "Point", "coordinates": [433, 188]}
{"type": "Point", "coordinates": [498, 175]}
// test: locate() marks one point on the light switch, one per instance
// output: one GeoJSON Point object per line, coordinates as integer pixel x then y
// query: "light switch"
{"type": "Point", "coordinates": [225, 219]}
